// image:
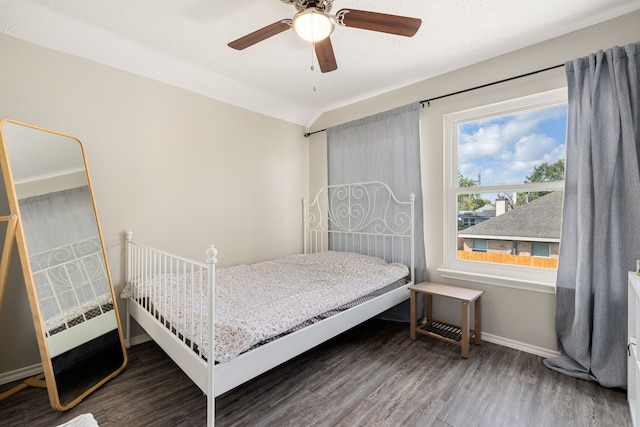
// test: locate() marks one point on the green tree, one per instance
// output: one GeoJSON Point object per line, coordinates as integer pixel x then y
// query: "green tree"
{"type": "Point", "coordinates": [541, 173]}
{"type": "Point", "coordinates": [469, 202]}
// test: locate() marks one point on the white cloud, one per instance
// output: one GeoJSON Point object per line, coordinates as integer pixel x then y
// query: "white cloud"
{"type": "Point", "coordinates": [507, 149]}
{"type": "Point", "coordinates": [485, 142]}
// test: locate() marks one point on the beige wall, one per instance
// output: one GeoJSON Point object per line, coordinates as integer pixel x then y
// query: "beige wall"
{"type": "Point", "coordinates": [181, 170]}
{"type": "Point", "coordinates": [519, 318]}
{"type": "Point", "coordinates": [184, 171]}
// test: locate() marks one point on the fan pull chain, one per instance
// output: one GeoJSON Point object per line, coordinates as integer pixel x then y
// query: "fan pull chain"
{"type": "Point", "coordinates": [313, 46]}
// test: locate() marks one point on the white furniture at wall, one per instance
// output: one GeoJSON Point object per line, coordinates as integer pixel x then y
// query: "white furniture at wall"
{"type": "Point", "coordinates": [633, 365]}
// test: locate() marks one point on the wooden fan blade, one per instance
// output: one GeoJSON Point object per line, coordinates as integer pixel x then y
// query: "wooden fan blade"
{"type": "Point", "coordinates": [325, 55]}
{"type": "Point", "coordinates": [260, 35]}
{"type": "Point", "coordinates": [382, 22]}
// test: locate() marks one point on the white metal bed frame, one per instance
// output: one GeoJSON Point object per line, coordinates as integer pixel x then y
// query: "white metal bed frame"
{"type": "Point", "coordinates": [362, 217]}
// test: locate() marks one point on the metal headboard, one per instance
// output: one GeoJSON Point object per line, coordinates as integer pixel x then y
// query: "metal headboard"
{"type": "Point", "coordinates": [364, 217]}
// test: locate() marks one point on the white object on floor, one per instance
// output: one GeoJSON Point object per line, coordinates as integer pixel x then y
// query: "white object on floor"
{"type": "Point", "coordinates": [84, 420]}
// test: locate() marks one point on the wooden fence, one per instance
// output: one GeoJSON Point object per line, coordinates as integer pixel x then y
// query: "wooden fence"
{"type": "Point", "coordinates": [531, 261]}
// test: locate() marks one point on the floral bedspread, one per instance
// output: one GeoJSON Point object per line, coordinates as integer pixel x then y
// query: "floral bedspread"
{"type": "Point", "coordinates": [258, 301]}
{"type": "Point", "coordinates": [78, 313]}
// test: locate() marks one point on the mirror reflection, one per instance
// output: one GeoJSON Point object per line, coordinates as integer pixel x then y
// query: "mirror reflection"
{"type": "Point", "coordinates": [66, 262]}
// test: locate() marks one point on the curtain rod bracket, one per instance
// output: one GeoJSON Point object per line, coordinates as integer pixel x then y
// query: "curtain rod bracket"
{"type": "Point", "coordinates": [308, 134]}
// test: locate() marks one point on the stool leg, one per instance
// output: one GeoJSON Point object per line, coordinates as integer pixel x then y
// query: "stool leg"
{"type": "Point", "coordinates": [413, 315]}
{"type": "Point", "coordinates": [428, 308]}
{"type": "Point", "coordinates": [478, 321]}
{"type": "Point", "coordinates": [465, 329]}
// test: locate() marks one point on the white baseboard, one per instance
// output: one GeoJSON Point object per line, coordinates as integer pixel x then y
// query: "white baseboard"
{"type": "Point", "coordinates": [30, 371]}
{"type": "Point", "coordinates": [527, 348]}
{"type": "Point", "coordinates": [18, 374]}
{"type": "Point", "coordinates": [139, 339]}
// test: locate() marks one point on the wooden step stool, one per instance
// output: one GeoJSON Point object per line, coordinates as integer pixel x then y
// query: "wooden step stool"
{"type": "Point", "coordinates": [450, 333]}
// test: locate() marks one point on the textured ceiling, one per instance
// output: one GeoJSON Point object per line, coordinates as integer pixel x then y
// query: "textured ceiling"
{"type": "Point", "coordinates": [184, 43]}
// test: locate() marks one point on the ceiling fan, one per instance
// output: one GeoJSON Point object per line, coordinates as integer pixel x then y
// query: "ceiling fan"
{"type": "Point", "coordinates": [314, 23]}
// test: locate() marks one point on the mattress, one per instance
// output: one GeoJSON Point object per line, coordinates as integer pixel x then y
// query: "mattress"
{"type": "Point", "coordinates": [79, 314]}
{"type": "Point", "coordinates": [257, 302]}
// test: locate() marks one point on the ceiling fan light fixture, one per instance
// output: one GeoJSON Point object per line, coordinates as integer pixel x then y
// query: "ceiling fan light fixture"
{"type": "Point", "coordinates": [313, 25]}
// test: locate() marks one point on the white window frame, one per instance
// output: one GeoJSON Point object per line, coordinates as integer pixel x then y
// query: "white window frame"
{"type": "Point", "coordinates": [530, 278]}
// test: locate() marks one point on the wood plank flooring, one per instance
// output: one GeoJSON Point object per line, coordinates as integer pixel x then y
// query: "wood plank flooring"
{"type": "Point", "coordinates": [373, 375]}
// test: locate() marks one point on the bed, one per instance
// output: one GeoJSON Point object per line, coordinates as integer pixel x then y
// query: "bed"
{"type": "Point", "coordinates": [349, 231]}
{"type": "Point", "coordinates": [71, 284]}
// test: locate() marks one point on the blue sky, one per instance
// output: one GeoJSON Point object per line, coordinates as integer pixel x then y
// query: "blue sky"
{"type": "Point", "coordinates": [504, 150]}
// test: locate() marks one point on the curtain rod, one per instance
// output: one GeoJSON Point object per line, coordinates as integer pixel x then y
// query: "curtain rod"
{"type": "Point", "coordinates": [427, 101]}
{"type": "Point", "coordinates": [308, 134]}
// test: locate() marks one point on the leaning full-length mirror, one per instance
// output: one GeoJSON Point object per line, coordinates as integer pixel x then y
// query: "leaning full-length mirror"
{"type": "Point", "coordinates": [61, 250]}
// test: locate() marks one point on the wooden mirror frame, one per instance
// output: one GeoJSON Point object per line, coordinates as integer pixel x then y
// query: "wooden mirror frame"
{"type": "Point", "coordinates": [15, 241]}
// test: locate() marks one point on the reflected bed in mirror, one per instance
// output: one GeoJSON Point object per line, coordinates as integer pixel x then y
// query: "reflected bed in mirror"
{"type": "Point", "coordinates": [63, 259]}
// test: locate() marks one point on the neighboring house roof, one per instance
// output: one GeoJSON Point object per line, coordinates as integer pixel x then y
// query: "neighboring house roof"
{"type": "Point", "coordinates": [486, 210]}
{"type": "Point", "coordinates": [540, 219]}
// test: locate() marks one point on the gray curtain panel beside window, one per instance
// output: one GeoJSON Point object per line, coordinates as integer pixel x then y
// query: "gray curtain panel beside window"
{"type": "Point", "coordinates": [383, 147]}
{"type": "Point", "coordinates": [601, 215]}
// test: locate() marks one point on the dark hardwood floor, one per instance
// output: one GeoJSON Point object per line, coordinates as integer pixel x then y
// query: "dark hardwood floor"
{"type": "Point", "coordinates": [373, 375]}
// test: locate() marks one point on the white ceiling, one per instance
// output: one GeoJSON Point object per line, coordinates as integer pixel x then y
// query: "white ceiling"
{"type": "Point", "coordinates": [184, 43]}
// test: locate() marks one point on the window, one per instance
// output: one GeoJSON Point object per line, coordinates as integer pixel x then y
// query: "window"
{"type": "Point", "coordinates": [504, 181]}
{"type": "Point", "coordinates": [479, 245]}
{"type": "Point", "coordinates": [541, 249]}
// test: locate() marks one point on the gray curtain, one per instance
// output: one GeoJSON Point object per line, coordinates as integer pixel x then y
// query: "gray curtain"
{"type": "Point", "coordinates": [57, 219]}
{"type": "Point", "coordinates": [383, 147]}
{"type": "Point", "coordinates": [601, 215]}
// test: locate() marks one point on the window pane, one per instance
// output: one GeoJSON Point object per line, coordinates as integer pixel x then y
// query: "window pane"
{"type": "Point", "coordinates": [507, 149]}
{"type": "Point", "coordinates": [541, 249]}
{"type": "Point", "coordinates": [507, 228]}
{"type": "Point", "coordinates": [479, 245]}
